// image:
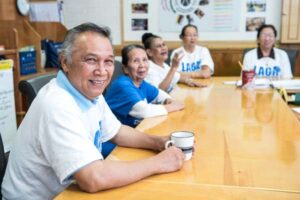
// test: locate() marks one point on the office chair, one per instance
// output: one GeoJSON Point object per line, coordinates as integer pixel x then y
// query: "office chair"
{"type": "Point", "coordinates": [118, 71]}
{"type": "Point", "coordinates": [108, 147]}
{"type": "Point", "coordinates": [30, 87]}
{"type": "Point", "coordinates": [3, 162]}
{"type": "Point", "coordinates": [168, 61]}
{"type": "Point", "coordinates": [292, 54]}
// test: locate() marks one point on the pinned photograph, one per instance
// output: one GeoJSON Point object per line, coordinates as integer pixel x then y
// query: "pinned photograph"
{"type": "Point", "coordinates": [179, 19]}
{"type": "Point", "coordinates": [252, 24]}
{"type": "Point", "coordinates": [256, 5]}
{"type": "Point", "coordinates": [189, 19]}
{"type": "Point", "coordinates": [139, 8]}
{"type": "Point", "coordinates": [203, 2]}
{"type": "Point", "coordinates": [199, 13]}
{"type": "Point", "coordinates": [139, 24]}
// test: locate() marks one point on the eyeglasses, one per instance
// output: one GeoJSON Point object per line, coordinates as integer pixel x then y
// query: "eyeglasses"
{"type": "Point", "coordinates": [265, 35]}
{"type": "Point", "coordinates": [191, 36]}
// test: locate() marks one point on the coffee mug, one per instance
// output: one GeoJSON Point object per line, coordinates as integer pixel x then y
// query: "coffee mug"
{"type": "Point", "coordinates": [183, 140]}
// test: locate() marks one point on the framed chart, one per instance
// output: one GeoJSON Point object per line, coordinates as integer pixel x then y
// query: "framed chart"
{"type": "Point", "coordinates": [216, 19]}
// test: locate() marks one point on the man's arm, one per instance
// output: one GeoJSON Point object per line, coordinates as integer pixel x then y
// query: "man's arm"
{"type": "Point", "coordinates": [130, 137]}
{"type": "Point", "coordinates": [106, 174]}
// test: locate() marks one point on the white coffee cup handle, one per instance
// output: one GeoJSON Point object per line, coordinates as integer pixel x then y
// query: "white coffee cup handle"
{"type": "Point", "coordinates": [169, 143]}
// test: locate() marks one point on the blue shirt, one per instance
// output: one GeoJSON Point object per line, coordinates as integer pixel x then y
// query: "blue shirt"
{"type": "Point", "coordinates": [123, 95]}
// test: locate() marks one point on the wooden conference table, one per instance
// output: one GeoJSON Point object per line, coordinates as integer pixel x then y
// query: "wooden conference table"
{"type": "Point", "coordinates": [247, 147]}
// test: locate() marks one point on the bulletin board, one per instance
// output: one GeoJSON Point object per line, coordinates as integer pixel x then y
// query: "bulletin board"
{"type": "Point", "coordinates": [217, 20]}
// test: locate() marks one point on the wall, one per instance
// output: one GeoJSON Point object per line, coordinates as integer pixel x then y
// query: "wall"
{"type": "Point", "coordinates": [8, 10]}
{"type": "Point", "coordinates": [101, 12]}
{"type": "Point", "coordinates": [238, 15]}
{"type": "Point", "coordinates": [110, 13]}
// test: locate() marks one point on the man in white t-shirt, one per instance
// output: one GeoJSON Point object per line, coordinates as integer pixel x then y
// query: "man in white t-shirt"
{"type": "Point", "coordinates": [266, 60]}
{"type": "Point", "coordinates": [196, 60]}
{"type": "Point", "coordinates": [60, 139]}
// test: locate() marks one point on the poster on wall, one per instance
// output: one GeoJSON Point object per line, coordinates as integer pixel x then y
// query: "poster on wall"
{"type": "Point", "coordinates": [208, 15]}
{"type": "Point", "coordinates": [217, 20]}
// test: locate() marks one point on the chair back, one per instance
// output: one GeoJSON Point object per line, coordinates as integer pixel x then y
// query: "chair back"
{"type": "Point", "coordinates": [3, 162]}
{"type": "Point", "coordinates": [30, 87]}
{"type": "Point", "coordinates": [168, 61]}
{"type": "Point", "coordinates": [118, 71]}
{"type": "Point", "coordinates": [292, 54]}
{"type": "Point", "coordinates": [246, 51]}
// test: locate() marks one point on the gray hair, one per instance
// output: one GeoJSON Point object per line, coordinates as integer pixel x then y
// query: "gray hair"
{"type": "Point", "coordinates": [72, 34]}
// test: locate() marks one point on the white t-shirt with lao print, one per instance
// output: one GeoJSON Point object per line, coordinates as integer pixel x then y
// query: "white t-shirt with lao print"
{"type": "Point", "coordinates": [192, 62]}
{"type": "Point", "coordinates": [268, 67]}
{"type": "Point", "coordinates": [56, 138]}
{"type": "Point", "coordinates": [157, 74]}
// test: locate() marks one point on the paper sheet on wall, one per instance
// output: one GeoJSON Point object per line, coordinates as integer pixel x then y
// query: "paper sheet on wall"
{"type": "Point", "coordinates": [46, 11]}
{"type": "Point", "coordinates": [211, 16]}
{"type": "Point", "coordinates": [8, 125]}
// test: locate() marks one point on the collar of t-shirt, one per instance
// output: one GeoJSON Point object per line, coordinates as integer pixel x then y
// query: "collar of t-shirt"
{"type": "Point", "coordinates": [260, 54]}
{"type": "Point", "coordinates": [81, 100]}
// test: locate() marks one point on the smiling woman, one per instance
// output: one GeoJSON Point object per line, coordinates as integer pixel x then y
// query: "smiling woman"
{"type": "Point", "coordinates": [130, 97]}
{"type": "Point", "coordinates": [267, 60]}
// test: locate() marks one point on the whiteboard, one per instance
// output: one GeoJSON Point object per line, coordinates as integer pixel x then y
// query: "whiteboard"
{"type": "Point", "coordinates": [8, 125]}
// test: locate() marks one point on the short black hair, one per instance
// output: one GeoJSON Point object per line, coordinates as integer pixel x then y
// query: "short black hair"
{"type": "Point", "coordinates": [147, 39]}
{"type": "Point", "coordinates": [185, 27]}
{"type": "Point", "coordinates": [259, 30]}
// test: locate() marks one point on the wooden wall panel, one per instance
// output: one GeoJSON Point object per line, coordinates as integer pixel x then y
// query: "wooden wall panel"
{"type": "Point", "coordinates": [226, 61]}
{"type": "Point", "coordinates": [8, 10]}
{"type": "Point", "coordinates": [51, 30]}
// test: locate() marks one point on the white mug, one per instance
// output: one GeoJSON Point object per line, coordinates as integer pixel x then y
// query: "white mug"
{"type": "Point", "coordinates": [183, 140]}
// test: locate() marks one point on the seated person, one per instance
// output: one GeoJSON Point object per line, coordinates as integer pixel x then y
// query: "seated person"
{"type": "Point", "coordinates": [59, 140]}
{"type": "Point", "coordinates": [160, 74]}
{"type": "Point", "coordinates": [130, 97]}
{"type": "Point", "coordinates": [266, 60]}
{"type": "Point", "coordinates": [196, 61]}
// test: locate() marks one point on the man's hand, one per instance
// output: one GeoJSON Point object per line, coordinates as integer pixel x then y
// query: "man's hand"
{"type": "Point", "coordinates": [169, 160]}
